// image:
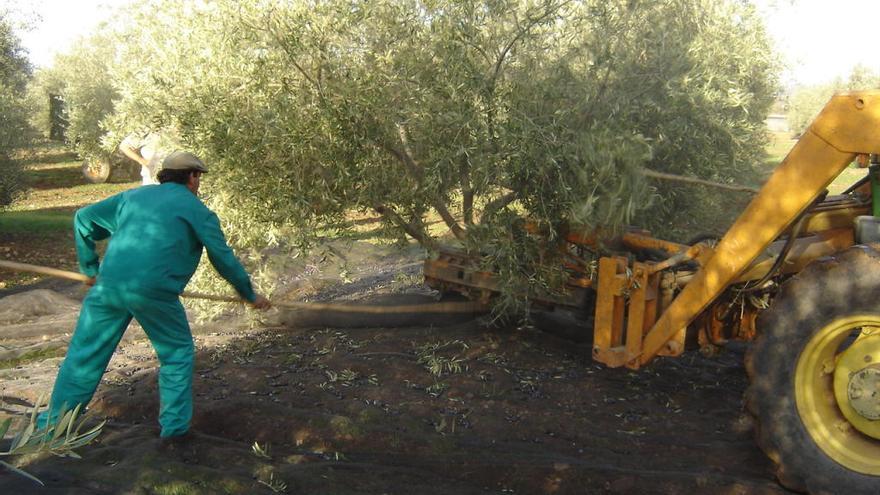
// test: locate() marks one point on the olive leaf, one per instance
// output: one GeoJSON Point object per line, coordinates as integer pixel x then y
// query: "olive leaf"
{"type": "Point", "coordinates": [71, 431]}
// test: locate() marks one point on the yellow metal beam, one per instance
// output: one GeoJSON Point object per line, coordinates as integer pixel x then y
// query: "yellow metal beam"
{"type": "Point", "coordinates": [845, 127]}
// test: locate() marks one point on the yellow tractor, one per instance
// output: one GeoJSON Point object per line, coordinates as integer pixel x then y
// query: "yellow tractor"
{"type": "Point", "coordinates": [798, 272]}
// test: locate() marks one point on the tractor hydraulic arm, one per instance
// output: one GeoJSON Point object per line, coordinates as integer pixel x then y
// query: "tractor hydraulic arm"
{"type": "Point", "coordinates": [846, 126]}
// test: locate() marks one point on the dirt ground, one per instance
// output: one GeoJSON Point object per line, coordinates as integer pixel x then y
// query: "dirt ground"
{"type": "Point", "coordinates": [429, 405]}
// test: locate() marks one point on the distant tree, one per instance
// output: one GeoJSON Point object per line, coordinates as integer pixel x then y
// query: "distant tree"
{"type": "Point", "coordinates": [15, 71]}
{"type": "Point", "coordinates": [48, 110]}
{"type": "Point", "coordinates": [862, 77]}
{"type": "Point", "coordinates": [83, 81]}
{"type": "Point", "coordinates": [806, 102]}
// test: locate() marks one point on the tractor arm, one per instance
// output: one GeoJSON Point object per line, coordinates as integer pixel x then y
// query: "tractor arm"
{"type": "Point", "coordinates": [844, 128]}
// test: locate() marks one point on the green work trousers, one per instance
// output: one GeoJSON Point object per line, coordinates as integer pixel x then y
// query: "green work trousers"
{"type": "Point", "coordinates": [103, 319]}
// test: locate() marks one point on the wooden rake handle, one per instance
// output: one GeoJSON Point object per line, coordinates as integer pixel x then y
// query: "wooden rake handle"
{"type": "Point", "coordinates": [44, 270]}
{"type": "Point", "coordinates": [79, 277]}
{"type": "Point", "coordinates": [443, 307]}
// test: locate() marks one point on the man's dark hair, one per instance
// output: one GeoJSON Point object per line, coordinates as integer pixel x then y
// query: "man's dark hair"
{"type": "Point", "coordinates": [178, 176]}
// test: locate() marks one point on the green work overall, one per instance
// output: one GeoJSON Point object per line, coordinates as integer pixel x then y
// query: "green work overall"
{"type": "Point", "coordinates": [158, 232]}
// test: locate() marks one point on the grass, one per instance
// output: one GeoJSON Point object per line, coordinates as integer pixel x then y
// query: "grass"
{"type": "Point", "coordinates": [54, 189]}
{"type": "Point", "coordinates": [55, 184]}
{"type": "Point", "coordinates": [34, 356]}
{"type": "Point", "coordinates": [177, 481]}
{"type": "Point", "coordinates": [67, 197]}
{"type": "Point", "coordinates": [36, 222]}
{"type": "Point", "coordinates": [37, 227]}
{"type": "Point", "coordinates": [52, 174]}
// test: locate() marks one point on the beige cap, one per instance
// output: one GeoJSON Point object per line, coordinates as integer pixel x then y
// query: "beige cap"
{"type": "Point", "coordinates": [183, 160]}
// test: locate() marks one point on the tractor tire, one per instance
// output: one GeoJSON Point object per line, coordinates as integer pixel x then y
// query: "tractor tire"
{"type": "Point", "coordinates": [823, 320]}
{"type": "Point", "coordinates": [96, 170]}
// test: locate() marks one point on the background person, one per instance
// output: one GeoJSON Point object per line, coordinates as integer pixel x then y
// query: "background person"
{"type": "Point", "coordinates": [145, 149]}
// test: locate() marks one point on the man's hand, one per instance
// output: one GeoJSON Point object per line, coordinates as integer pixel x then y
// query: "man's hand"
{"type": "Point", "coordinates": [261, 303]}
{"type": "Point", "coordinates": [90, 282]}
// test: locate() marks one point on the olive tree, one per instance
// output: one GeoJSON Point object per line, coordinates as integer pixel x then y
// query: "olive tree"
{"type": "Point", "coordinates": [15, 72]}
{"type": "Point", "coordinates": [83, 79]}
{"type": "Point", "coordinates": [478, 114]}
{"type": "Point", "coordinates": [47, 85]}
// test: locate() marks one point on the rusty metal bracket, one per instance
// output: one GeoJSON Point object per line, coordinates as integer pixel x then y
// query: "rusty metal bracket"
{"type": "Point", "coordinates": [627, 304]}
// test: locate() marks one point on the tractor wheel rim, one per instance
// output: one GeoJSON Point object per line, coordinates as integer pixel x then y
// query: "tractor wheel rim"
{"type": "Point", "coordinates": [857, 382]}
{"type": "Point", "coordinates": [822, 392]}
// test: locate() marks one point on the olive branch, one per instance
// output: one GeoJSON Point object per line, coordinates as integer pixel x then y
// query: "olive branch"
{"type": "Point", "coordinates": [69, 433]}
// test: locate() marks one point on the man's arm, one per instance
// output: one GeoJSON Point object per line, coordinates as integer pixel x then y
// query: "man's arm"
{"type": "Point", "coordinates": [227, 265]}
{"type": "Point", "coordinates": [132, 152]}
{"type": "Point", "coordinates": [90, 224]}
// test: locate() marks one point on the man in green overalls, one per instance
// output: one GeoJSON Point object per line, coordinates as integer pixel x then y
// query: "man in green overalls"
{"type": "Point", "coordinates": [156, 237]}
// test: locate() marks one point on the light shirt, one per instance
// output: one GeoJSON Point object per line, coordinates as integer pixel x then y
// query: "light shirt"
{"type": "Point", "coordinates": [150, 147]}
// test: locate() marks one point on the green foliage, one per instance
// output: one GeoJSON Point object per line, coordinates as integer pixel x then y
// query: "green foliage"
{"type": "Point", "coordinates": [11, 180]}
{"type": "Point", "coordinates": [432, 358]}
{"type": "Point", "coordinates": [70, 432]}
{"type": "Point", "coordinates": [806, 102]}
{"type": "Point", "coordinates": [29, 357]}
{"type": "Point", "coordinates": [84, 81]}
{"type": "Point", "coordinates": [45, 84]}
{"type": "Point", "coordinates": [15, 72]}
{"type": "Point", "coordinates": [478, 113]}
{"type": "Point", "coordinates": [274, 484]}
{"type": "Point", "coordinates": [704, 115]}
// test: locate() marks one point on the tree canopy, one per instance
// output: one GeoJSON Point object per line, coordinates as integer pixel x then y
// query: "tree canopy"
{"type": "Point", "coordinates": [806, 102]}
{"type": "Point", "coordinates": [475, 114]}
{"type": "Point", "coordinates": [15, 72]}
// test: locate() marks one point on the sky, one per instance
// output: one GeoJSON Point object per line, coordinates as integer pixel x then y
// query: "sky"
{"type": "Point", "coordinates": [56, 24]}
{"type": "Point", "coordinates": [819, 39]}
{"type": "Point", "coordinates": [823, 39]}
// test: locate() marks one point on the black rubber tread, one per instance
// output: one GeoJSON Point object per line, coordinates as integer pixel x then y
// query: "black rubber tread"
{"type": "Point", "coordinates": [308, 318]}
{"type": "Point", "coordinates": [829, 288]}
{"type": "Point", "coordinates": [567, 324]}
